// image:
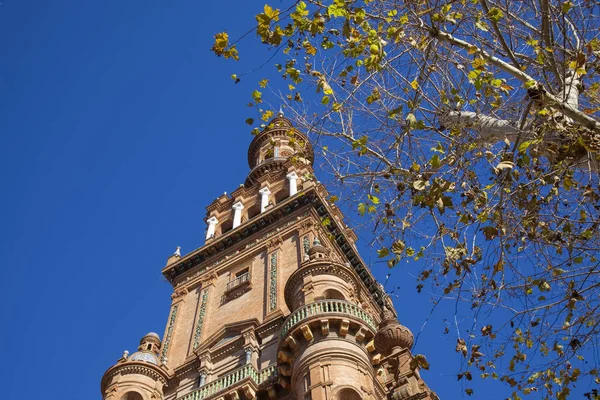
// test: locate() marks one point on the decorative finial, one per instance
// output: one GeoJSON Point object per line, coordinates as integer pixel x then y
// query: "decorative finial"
{"type": "Point", "coordinates": [177, 251]}
{"type": "Point", "coordinates": [125, 354]}
{"type": "Point", "coordinates": [316, 242]}
{"type": "Point", "coordinates": [163, 360]}
{"type": "Point", "coordinates": [280, 113]}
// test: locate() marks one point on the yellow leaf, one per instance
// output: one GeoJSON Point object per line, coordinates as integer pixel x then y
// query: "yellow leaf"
{"type": "Point", "coordinates": [414, 84]}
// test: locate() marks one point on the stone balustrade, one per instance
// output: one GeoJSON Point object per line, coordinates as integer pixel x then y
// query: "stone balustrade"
{"type": "Point", "coordinates": [229, 380]}
{"type": "Point", "coordinates": [326, 307]}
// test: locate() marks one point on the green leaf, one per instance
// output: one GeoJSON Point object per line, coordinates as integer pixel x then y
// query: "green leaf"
{"type": "Point", "coordinates": [382, 253]}
{"type": "Point", "coordinates": [375, 95]}
{"type": "Point", "coordinates": [419, 361]}
{"type": "Point", "coordinates": [374, 200]}
{"type": "Point", "coordinates": [398, 247]}
{"type": "Point", "coordinates": [250, 121]}
{"type": "Point", "coordinates": [495, 14]}
{"type": "Point", "coordinates": [257, 96]}
{"type": "Point", "coordinates": [362, 208]}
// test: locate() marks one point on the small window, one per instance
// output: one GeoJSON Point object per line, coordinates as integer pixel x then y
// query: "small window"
{"type": "Point", "coordinates": [239, 279]}
{"type": "Point", "coordinates": [132, 396]}
{"type": "Point", "coordinates": [149, 347]}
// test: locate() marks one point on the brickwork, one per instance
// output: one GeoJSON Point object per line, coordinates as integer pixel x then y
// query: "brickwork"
{"type": "Point", "coordinates": [275, 305]}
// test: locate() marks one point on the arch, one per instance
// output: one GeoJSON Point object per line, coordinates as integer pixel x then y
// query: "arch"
{"type": "Point", "coordinates": [347, 394]}
{"type": "Point", "coordinates": [333, 294]}
{"type": "Point", "coordinates": [132, 396]}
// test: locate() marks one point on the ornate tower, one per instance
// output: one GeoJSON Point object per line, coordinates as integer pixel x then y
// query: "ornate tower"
{"type": "Point", "coordinates": [277, 304]}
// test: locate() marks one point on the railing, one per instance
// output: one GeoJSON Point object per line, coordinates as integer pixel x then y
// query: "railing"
{"type": "Point", "coordinates": [246, 371]}
{"type": "Point", "coordinates": [326, 307]}
{"type": "Point", "coordinates": [238, 281]}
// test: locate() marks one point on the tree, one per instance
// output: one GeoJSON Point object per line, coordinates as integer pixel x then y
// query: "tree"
{"type": "Point", "coordinates": [470, 130]}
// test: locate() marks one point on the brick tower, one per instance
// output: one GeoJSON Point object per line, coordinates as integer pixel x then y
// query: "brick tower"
{"type": "Point", "coordinates": [277, 304]}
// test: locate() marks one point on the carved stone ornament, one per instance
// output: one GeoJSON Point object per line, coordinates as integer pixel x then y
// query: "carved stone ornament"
{"type": "Point", "coordinates": [306, 226]}
{"type": "Point", "coordinates": [274, 243]}
{"type": "Point", "coordinates": [177, 293]}
{"type": "Point", "coordinates": [392, 336]}
{"type": "Point", "coordinates": [209, 279]}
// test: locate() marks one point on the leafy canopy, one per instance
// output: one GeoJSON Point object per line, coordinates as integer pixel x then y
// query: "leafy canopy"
{"type": "Point", "coordinates": [470, 131]}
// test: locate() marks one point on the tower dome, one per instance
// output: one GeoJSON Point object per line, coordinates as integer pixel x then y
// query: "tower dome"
{"type": "Point", "coordinates": [146, 356]}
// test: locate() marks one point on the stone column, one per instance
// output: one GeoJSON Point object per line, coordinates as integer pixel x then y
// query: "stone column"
{"type": "Point", "coordinates": [237, 214]}
{"type": "Point", "coordinates": [212, 224]}
{"type": "Point", "coordinates": [293, 177]}
{"type": "Point", "coordinates": [264, 198]}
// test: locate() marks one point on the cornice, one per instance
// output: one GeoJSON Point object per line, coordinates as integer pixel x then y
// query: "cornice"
{"type": "Point", "coordinates": [134, 367]}
{"type": "Point", "coordinates": [260, 223]}
{"type": "Point", "coordinates": [307, 197]}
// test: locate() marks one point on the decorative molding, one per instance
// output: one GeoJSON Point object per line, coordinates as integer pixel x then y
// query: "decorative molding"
{"type": "Point", "coordinates": [201, 314]}
{"type": "Point", "coordinates": [170, 328]}
{"type": "Point", "coordinates": [307, 197]}
{"type": "Point", "coordinates": [138, 369]}
{"type": "Point", "coordinates": [178, 293]}
{"type": "Point", "coordinates": [275, 243]}
{"type": "Point", "coordinates": [273, 282]}
{"type": "Point", "coordinates": [209, 279]}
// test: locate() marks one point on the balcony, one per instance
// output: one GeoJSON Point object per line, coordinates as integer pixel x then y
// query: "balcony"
{"type": "Point", "coordinates": [231, 379]}
{"type": "Point", "coordinates": [324, 308]}
{"type": "Point", "coordinates": [238, 282]}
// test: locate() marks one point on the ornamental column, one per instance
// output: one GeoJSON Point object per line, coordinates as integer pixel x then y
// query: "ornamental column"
{"type": "Point", "coordinates": [293, 177]}
{"type": "Point", "coordinates": [264, 198]}
{"type": "Point", "coordinates": [212, 224]}
{"type": "Point", "coordinates": [237, 214]}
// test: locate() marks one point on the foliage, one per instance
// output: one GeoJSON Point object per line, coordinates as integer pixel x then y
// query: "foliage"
{"type": "Point", "coordinates": [469, 128]}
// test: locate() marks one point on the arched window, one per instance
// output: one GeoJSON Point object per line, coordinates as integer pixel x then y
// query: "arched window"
{"type": "Point", "coordinates": [132, 396]}
{"type": "Point", "coordinates": [333, 295]}
{"type": "Point", "coordinates": [348, 394]}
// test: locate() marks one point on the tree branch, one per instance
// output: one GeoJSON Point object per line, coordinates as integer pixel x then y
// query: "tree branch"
{"type": "Point", "coordinates": [488, 127]}
{"type": "Point", "coordinates": [546, 98]}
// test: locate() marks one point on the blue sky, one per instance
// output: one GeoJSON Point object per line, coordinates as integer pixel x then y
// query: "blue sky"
{"type": "Point", "coordinates": [117, 127]}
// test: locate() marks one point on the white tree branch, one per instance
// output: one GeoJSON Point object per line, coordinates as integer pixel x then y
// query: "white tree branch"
{"type": "Point", "coordinates": [489, 128]}
{"type": "Point", "coordinates": [546, 98]}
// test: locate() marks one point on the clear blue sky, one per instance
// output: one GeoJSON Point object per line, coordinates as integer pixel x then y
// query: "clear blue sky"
{"type": "Point", "coordinates": [117, 127]}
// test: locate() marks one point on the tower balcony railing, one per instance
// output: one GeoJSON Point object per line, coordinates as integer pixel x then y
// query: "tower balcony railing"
{"type": "Point", "coordinates": [326, 307]}
{"type": "Point", "coordinates": [232, 378]}
{"type": "Point", "coordinates": [238, 281]}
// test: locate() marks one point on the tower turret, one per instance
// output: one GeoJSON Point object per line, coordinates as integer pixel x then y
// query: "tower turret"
{"type": "Point", "coordinates": [139, 376]}
{"type": "Point", "coordinates": [278, 143]}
